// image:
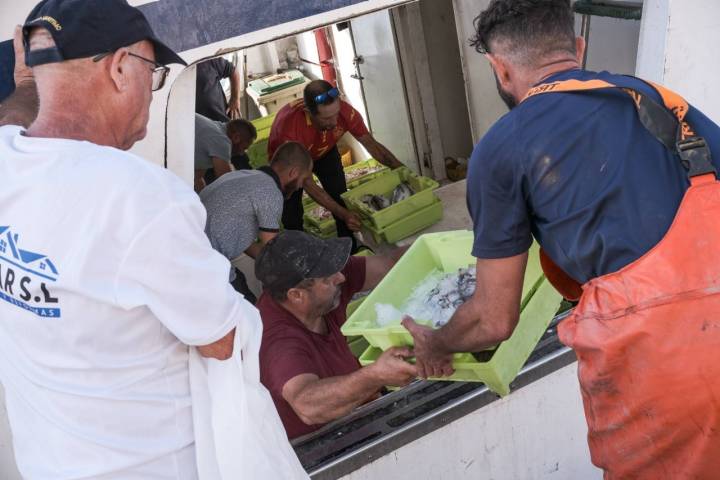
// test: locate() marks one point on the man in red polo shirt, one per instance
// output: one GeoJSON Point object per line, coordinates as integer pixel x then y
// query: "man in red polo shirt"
{"type": "Point", "coordinates": [305, 361]}
{"type": "Point", "coordinates": [317, 122]}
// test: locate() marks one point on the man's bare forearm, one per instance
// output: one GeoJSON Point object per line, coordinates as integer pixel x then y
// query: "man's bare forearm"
{"type": "Point", "coordinates": [380, 153]}
{"type": "Point", "coordinates": [326, 399]}
{"type": "Point", "coordinates": [254, 250]}
{"type": "Point", "coordinates": [387, 158]}
{"type": "Point", "coordinates": [470, 331]}
{"type": "Point", "coordinates": [235, 85]}
{"type": "Point", "coordinates": [21, 107]}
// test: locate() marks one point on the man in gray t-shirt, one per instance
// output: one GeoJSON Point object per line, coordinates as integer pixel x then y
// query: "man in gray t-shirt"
{"type": "Point", "coordinates": [216, 143]}
{"type": "Point", "coordinates": [246, 205]}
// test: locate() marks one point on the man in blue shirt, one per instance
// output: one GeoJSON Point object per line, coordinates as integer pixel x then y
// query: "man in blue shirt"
{"type": "Point", "coordinates": [580, 173]}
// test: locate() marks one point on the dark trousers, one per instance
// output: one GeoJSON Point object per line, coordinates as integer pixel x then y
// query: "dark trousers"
{"type": "Point", "coordinates": [332, 178]}
{"type": "Point", "coordinates": [240, 285]}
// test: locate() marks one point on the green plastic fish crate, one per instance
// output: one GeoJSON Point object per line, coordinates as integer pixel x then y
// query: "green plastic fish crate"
{"type": "Point", "coordinates": [449, 251]}
{"type": "Point", "coordinates": [445, 251]}
{"type": "Point", "coordinates": [257, 152]}
{"type": "Point", "coordinates": [313, 230]}
{"type": "Point", "coordinates": [367, 177]}
{"type": "Point", "coordinates": [358, 346]}
{"type": "Point", "coordinates": [384, 185]}
{"type": "Point", "coordinates": [409, 225]}
{"type": "Point", "coordinates": [263, 123]}
{"type": "Point", "coordinates": [326, 225]}
{"type": "Point", "coordinates": [307, 201]}
{"type": "Point", "coordinates": [508, 359]}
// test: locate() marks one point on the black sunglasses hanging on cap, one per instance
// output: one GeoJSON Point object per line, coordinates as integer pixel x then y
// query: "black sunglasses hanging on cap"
{"type": "Point", "coordinates": [159, 73]}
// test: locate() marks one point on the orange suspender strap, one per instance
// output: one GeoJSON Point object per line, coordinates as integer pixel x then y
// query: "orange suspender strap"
{"type": "Point", "coordinates": [666, 123]}
{"type": "Point", "coordinates": [673, 102]}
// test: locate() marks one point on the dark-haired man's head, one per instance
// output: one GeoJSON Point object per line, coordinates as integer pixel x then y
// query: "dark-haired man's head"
{"type": "Point", "coordinates": [242, 134]}
{"type": "Point", "coordinates": [293, 165]}
{"type": "Point", "coordinates": [322, 102]}
{"type": "Point", "coordinates": [526, 41]}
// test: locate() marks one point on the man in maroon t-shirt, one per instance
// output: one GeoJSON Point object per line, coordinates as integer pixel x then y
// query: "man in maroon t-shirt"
{"type": "Point", "coordinates": [318, 121]}
{"type": "Point", "coordinates": [305, 361]}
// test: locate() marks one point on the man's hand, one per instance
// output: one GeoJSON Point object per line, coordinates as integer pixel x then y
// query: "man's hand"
{"type": "Point", "coordinates": [22, 72]}
{"type": "Point", "coordinates": [393, 369]}
{"type": "Point", "coordinates": [233, 109]}
{"type": "Point", "coordinates": [220, 350]}
{"type": "Point", "coordinates": [352, 220]}
{"type": "Point", "coordinates": [429, 361]}
{"type": "Point", "coordinates": [394, 164]}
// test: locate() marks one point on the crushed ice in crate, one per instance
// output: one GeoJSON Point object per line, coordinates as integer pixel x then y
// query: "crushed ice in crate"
{"type": "Point", "coordinates": [387, 314]}
{"type": "Point", "coordinates": [435, 299]}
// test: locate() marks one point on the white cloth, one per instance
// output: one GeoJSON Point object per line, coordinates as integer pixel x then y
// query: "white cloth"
{"type": "Point", "coordinates": [106, 276]}
{"type": "Point", "coordinates": [238, 432]}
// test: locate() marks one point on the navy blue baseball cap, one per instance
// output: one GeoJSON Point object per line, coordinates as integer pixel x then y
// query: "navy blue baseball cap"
{"type": "Point", "coordinates": [85, 28]}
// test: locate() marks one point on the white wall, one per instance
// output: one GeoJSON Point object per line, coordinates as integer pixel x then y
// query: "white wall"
{"type": "Point", "coordinates": [351, 88]}
{"type": "Point", "coordinates": [307, 48]}
{"type": "Point", "coordinates": [484, 105]}
{"type": "Point", "coordinates": [679, 48]}
{"type": "Point", "coordinates": [13, 12]}
{"type": "Point", "coordinates": [447, 77]}
{"type": "Point", "coordinates": [536, 433]}
{"type": "Point", "coordinates": [613, 44]}
{"type": "Point", "coordinates": [613, 47]}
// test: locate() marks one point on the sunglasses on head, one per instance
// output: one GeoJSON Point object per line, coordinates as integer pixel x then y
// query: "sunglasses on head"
{"type": "Point", "coordinates": [327, 97]}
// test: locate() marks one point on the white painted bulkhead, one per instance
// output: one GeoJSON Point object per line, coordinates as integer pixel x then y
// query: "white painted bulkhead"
{"type": "Point", "coordinates": [535, 433]}
{"type": "Point", "coordinates": [678, 48]}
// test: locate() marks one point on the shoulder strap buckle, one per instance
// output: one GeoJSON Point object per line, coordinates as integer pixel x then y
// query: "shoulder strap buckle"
{"type": "Point", "coordinates": [695, 156]}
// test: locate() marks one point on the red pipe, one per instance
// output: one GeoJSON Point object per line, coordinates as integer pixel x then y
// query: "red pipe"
{"type": "Point", "coordinates": [327, 62]}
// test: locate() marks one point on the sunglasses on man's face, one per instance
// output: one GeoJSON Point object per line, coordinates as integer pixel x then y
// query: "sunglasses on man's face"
{"type": "Point", "coordinates": [327, 97]}
{"type": "Point", "coordinates": [159, 72]}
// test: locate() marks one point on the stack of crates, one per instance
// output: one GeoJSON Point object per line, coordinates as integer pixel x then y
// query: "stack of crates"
{"type": "Point", "coordinates": [447, 252]}
{"type": "Point", "coordinates": [325, 228]}
{"type": "Point", "coordinates": [403, 218]}
{"type": "Point", "coordinates": [320, 227]}
{"type": "Point", "coordinates": [374, 170]}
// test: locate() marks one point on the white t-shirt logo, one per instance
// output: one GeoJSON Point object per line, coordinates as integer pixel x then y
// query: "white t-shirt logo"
{"type": "Point", "coordinates": [27, 278]}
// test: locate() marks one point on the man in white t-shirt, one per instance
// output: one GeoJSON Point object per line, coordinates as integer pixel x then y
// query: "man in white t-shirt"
{"type": "Point", "coordinates": [105, 270]}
